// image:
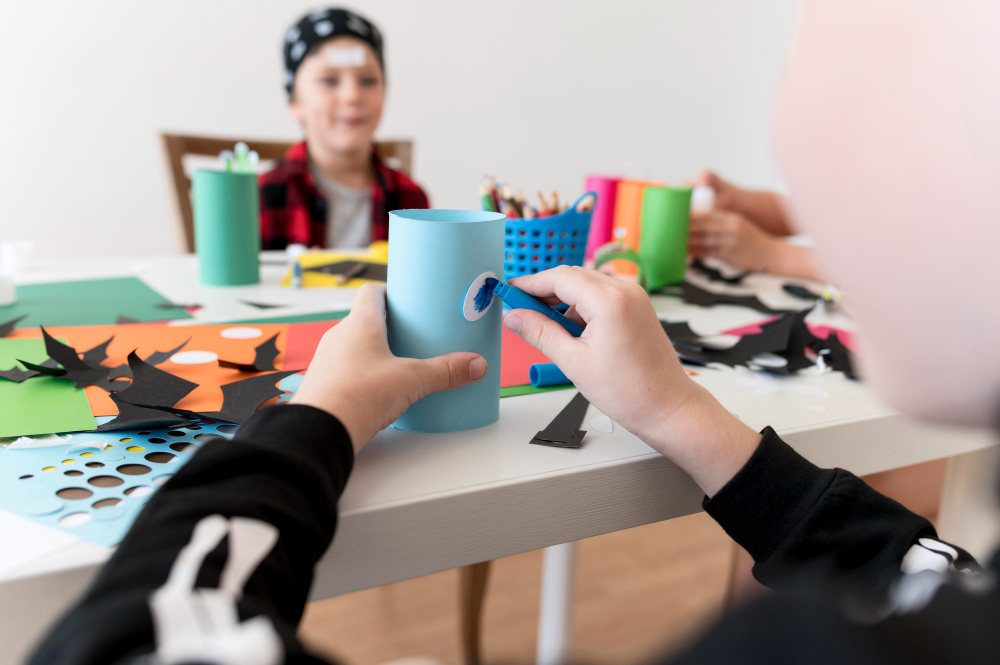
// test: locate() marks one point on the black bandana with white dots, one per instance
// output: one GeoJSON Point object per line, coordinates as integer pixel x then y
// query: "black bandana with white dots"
{"type": "Point", "coordinates": [318, 26]}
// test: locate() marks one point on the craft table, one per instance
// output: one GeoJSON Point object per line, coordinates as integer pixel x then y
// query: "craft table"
{"type": "Point", "coordinates": [418, 504]}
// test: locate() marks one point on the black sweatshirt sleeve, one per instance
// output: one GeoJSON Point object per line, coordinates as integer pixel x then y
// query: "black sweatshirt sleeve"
{"type": "Point", "coordinates": [796, 519]}
{"type": "Point", "coordinates": [287, 466]}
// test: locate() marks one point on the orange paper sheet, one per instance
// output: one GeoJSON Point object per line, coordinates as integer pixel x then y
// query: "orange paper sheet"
{"type": "Point", "coordinates": [145, 339]}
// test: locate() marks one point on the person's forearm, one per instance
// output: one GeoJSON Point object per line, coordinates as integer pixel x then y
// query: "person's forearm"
{"type": "Point", "coordinates": [795, 518]}
{"type": "Point", "coordinates": [286, 467]}
{"type": "Point", "coordinates": [792, 261]}
{"type": "Point", "coordinates": [763, 208]}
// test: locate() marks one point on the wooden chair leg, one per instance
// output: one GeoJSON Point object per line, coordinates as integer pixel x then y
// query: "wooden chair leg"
{"type": "Point", "coordinates": [472, 594]}
{"type": "Point", "coordinates": [729, 599]}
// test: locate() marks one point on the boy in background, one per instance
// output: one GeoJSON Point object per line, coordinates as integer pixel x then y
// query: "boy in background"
{"type": "Point", "coordinates": [332, 190]}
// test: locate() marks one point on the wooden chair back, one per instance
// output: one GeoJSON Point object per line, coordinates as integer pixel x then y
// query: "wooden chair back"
{"type": "Point", "coordinates": [397, 154]}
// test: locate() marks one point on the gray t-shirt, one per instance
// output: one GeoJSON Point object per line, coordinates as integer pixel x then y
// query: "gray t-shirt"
{"type": "Point", "coordinates": [348, 212]}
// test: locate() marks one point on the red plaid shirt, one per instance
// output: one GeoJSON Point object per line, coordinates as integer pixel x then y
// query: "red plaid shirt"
{"type": "Point", "coordinates": [293, 210]}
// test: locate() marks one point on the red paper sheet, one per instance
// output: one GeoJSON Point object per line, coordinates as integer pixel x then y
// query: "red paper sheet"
{"type": "Point", "coordinates": [516, 355]}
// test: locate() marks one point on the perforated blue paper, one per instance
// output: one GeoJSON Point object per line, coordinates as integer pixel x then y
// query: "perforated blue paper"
{"type": "Point", "coordinates": [94, 486]}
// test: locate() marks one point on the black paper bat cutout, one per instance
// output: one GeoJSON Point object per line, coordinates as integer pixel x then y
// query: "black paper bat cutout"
{"type": "Point", "coordinates": [564, 430]}
{"type": "Point", "coordinates": [17, 375]}
{"type": "Point", "coordinates": [153, 387]}
{"type": "Point", "coordinates": [773, 337]}
{"type": "Point", "coordinates": [80, 372]}
{"type": "Point", "coordinates": [131, 416]}
{"type": "Point", "coordinates": [125, 319]}
{"type": "Point", "coordinates": [240, 399]}
{"type": "Point", "coordinates": [98, 354]}
{"type": "Point", "coordinates": [263, 360]}
{"type": "Point", "coordinates": [155, 358]}
{"type": "Point", "coordinates": [699, 296]}
{"type": "Point", "coordinates": [49, 368]}
{"type": "Point", "coordinates": [8, 327]}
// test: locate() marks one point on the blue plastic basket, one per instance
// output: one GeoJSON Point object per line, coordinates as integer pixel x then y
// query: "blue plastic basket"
{"type": "Point", "coordinates": [533, 245]}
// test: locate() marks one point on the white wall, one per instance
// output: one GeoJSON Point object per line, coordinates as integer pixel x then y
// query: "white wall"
{"type": "Point", "coordinates": [537, 92]}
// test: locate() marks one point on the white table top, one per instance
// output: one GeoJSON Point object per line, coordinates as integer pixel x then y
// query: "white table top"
{"type": "Point", "coordinates": [418, 504]}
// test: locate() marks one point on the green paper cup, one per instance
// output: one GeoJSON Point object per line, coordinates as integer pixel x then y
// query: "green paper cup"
{"type": "Point", "coordinates": [664, 237]}
{"type": "Point", "coordinates": [226, 227]}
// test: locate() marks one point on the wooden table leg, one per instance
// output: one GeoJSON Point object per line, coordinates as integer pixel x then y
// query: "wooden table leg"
{"type": "Point", "coordinates": [472, 594]}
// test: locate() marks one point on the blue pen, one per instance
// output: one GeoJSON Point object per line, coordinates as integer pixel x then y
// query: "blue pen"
{"type": "Point", "coordinates": [515, 298]}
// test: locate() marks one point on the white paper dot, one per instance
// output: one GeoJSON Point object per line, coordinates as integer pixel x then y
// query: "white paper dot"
{"type": "Point", "coordinates": [141, 490]}
{"type": "Point", "coordinates": [194, 357]}
{"type": "Point", "coordinates": [602, 423]}
{"type": "Point", "coordinates": [241, 333]}
{"type": "Point", "coordinates": [770, 360]}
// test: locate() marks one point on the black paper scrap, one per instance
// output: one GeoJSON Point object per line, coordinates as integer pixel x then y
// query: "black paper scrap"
{"type": "Point", "coordinates": [240, 399]}
{"type": "Point", "coordinates": [131, 416]}
{"type": "Point", "coordinates": [263, 360]}
{"type": "Point", "coordinates": [715, 275]}
{"type": "Point", "coordinates": [261, 305]}
{"type": "Point", "coordinates": [98, 354]}
{"type": "Point", "coordinates": [800, 291]}
{"type": "Point", "coordinates": [799, 339]}
{"type": "Point", "coordinates": [699, 296]}
{"type": "Point", "coordinates": [125, 319]}
{"type": "Point", "coordinates": [376, 272]}
{"type": "Point", "coordinates": [154, 358]}
{"type": "Point", "coordinates": [773, 338]}
{"type": "Point", "coordinates": [17, 375]}
{"type": "Point", "coordinates": [159, 357]}
{"type": "Point", "coordinates": [46, 368]}
{"type": "Point", "coordinates": [174, 305]}
{"type": "Point", "coordinates": [678, 331]}
{"type": "Point", "coordinates": [564, 430]}
{"type": "Point", "coordinates": [153, 387]}
{"type": "Point", "coordinates": [80, 372]}
{"type": "Point", "coordinates": [8, 327]}
{"type": "Point", "coordinates": [836, 356]}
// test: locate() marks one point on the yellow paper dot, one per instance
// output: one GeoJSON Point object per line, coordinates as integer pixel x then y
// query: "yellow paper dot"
{"type": "Point", "coordinates": [135, 449]}
{"type": "Point", "coordinates": [67, 461]}
{"type": "Point", "coordinates": [126, 439]}
{"type": "Point", "coordinates": [86, 454]}
{"type": "Point", "coordinates": [49, 468]}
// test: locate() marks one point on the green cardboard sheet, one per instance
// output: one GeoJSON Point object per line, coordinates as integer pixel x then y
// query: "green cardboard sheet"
{"type": "Point", "coordinates": [514, 391]}
{"type": "Point", "coordinates": [333, 315]}
{"type": "Point", "coordinates": [88, 303]}
{"type": "Point", "coordinates": [43, 404]}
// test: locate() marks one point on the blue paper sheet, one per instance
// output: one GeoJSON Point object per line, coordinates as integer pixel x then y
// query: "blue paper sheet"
{"type": "Point", "coordinates": [91, 464]}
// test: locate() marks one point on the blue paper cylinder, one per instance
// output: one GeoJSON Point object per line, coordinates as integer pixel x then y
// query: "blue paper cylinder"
{"type": "Point", "coordinates": [434, 257]}
{"type": "Point", "coordinates": [542, 375]}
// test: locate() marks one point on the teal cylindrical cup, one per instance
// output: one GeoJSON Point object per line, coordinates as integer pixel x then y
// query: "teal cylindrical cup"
{"type": "Point", "coordinates": [226, 227]}
{"type": "Point", "coordinates": [437, 259]}
{"type": "Point", "coordinates": [664, 238]}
